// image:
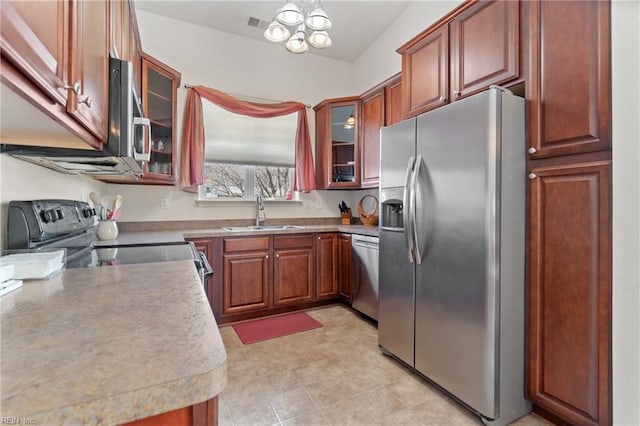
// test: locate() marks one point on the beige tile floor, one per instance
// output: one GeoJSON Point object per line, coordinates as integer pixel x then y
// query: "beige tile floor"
{"type": "Point", "coordinates": [334, 375]}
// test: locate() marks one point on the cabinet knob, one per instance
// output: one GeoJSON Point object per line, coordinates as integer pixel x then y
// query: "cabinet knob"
{"type": "Point", "coordinates": [457, 93]}
{"type": "Point", "coordinates": [532, 176]}
{"type": "Point", "coordinates": [86, 100]}
{"type": "Point", "coordinates": [266, 256]}
{"type": "Point", "coordinates": [532, 150]}
{"type": "Point", "coordinates": [75, 87]}
{"type": "Point", "coordinates": [277, 255]}
{"type": "Point", "coordinates": [441, 99]}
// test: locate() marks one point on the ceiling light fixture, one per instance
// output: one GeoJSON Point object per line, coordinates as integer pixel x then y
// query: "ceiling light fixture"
{"type": "Point", "coordinates": [292, 15]}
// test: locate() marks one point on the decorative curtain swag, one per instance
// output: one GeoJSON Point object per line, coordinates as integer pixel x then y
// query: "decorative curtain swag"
{"type": "Point", "coordinates": [192, 152]}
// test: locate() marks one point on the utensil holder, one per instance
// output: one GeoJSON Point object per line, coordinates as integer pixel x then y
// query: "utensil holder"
{"type": "Point", "coordinates": [107, 230]}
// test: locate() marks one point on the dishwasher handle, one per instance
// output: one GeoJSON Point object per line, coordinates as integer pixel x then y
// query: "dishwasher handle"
{"type": "Point", "coordinates": [371, 243]}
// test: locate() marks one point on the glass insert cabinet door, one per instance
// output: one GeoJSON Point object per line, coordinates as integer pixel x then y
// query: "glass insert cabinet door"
{"type": "Point", "coordinates": [160, 84]}
{"type": "Point", "coordinates": [337, 143]}
{"type": "Point", "coordinates": [343, 143]}
{"type": "Point", "coordinates": [343, 155]}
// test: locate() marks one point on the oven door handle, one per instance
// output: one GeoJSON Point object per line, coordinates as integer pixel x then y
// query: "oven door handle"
{"type": "Point", "coordinates": [208, 270]}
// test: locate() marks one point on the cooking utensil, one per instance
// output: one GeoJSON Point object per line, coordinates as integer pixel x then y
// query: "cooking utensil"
{"type": "Point", "coordinates": [117, 203]}
{"type": "Point", "coordinates": [104, 202]}
{"type": "Point", "coordinates": [94, 198]}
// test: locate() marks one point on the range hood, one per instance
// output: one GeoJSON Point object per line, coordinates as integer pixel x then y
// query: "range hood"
{"type": "Point", "coordinates": [128, 143]}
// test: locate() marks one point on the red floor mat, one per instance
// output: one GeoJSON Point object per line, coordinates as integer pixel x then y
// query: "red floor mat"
{"type": "Point", "coordinates": [268, 328]}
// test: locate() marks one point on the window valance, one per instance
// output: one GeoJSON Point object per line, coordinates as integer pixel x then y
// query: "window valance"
{"type": "Point", "coordinates": [193, 141]}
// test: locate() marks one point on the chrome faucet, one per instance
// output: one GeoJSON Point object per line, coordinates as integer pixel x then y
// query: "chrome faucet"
{"type": "Point", "coordinates": [261, 216]}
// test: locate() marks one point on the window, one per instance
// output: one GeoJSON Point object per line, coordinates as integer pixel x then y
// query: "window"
{"type": "Point", "coordinates": [246, 156]}
{"type": "Point", "coordinates": [226, 180]}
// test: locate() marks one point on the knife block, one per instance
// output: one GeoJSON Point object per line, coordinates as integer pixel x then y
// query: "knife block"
{"type": "Point", "coordinates": [346, 217]}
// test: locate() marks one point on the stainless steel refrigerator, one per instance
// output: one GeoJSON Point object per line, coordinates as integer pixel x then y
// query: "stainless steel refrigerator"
{"type": "Point", "coordinates": [452, 241]}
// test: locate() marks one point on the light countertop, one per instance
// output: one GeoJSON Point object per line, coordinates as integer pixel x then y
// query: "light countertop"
{"type": "Point", "coordinates": [109, 345]}
{"type": "Point", "coordinates": [159, 237]}
{"type": "Point", "coordinates": [219, 232]}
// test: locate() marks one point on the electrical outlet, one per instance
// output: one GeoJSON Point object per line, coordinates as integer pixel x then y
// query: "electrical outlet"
{"type": "Point", "coordinates": [164, 203]}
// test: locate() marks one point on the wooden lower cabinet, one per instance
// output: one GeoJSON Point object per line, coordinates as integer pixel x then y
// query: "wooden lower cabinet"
{"type": "Point", "coordinates": [293, 276]}
{"type": "Point", "coordinates": [344, 268]}
{"type": "Point", "coordinates": [245, 281]}
{"type": "Point", "coordinates": [202, 414]}
{"type": "Point", "coordinates": [327, 266]}
{"type": "Point", "coordinates": [569, 296]}
{"type": "Point", "coordinates": [293, 281]}
{"type": "Point", "coordinates": [271, 274]}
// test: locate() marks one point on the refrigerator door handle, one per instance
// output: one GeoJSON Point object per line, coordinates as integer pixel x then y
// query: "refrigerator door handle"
{"type": "Point", "coordinates": [407, 207]}
{"type": "Point", "coordinates": [414, 189]}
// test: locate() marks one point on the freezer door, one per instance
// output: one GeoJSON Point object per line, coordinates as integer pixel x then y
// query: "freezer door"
{"type": "Point", "coordinates": [397, 145]}
{"type": "Point", "coordinates": [396, 305]}
{"type": "Point", "coordinates": [456, 208]}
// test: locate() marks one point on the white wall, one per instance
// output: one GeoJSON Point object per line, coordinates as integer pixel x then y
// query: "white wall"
{"type": "Point", "coordinates": [248, 67]}
{"type": "Point", "coordinates": [380, 61]}
{"type": "Point", "coordinates": [626, 212]}
{"type": "Point", "coordinates": [240, 66]}
{"type": "Point", "coordinates": [20, 180]}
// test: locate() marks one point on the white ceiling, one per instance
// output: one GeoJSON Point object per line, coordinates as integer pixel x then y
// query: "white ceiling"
{"type": "Point", "coordinates": [351, 35]}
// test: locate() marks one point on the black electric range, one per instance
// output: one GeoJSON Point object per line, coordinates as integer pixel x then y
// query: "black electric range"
{"type": "Point", "coordinates": [69, 224]}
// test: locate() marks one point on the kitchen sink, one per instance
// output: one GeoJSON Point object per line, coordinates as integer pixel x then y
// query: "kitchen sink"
{"type": "Point", "coordinates": [261, 228]}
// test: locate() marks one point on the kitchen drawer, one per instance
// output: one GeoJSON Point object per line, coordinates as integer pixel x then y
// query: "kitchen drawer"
{"type": "Point", "coordinates": [292, 241]}
{"type": "Point", "coordinates": [231, 245]}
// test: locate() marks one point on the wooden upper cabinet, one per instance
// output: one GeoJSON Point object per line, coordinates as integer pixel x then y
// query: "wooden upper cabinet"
{"type": "Point", "coordinates": [485, 42]}
{"type": "Point", "coordinates": [35, 39]}
{"type": "Point", "coordinates": [393, 101]}
{"type": "Point", "coordinates": [159, 92]}
{"type": "Point", "coordinates": [338, 143]}
{"type": "Point", "coordinates": [61, 47]}
{"type": "Point", "coordinates": [326, 266]}
{"type": "Point", "coordinates": [425, 73]}
{"type": "Point", "coordinates": [570, 291]}
{"type": "Point", "coordinates": [322, 119]}
{"type": "Point", "coordinates": [569, 87]}
{"type": "Point", "coordinates": [135, 47]}
{"type": "Point", "coordinates": [90, 65]}
{"type": "Point", "coordinates": [372, 120]}
{"type": "Point", "coordinates": [116, 25]}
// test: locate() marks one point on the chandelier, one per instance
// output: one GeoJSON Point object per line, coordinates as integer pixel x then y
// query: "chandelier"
{"type": "Point", "coordinates": [292, 15]}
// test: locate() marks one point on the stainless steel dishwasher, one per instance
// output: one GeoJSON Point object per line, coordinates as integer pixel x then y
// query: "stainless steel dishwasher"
{"type": "Point", "coordinates": [365, 284]}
